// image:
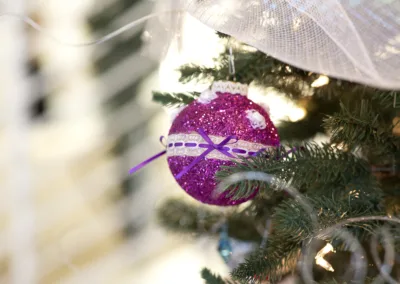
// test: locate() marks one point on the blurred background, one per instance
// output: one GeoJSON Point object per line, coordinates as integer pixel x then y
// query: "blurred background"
{"type": "Point", "coordinates": [73, 122]}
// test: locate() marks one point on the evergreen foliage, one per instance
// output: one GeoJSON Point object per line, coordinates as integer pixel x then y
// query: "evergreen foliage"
{"type": "Point", "coordinates": [210, 278]}
{"type": "Point", "coordinates": [274, 262]}
{"type": "Point", "coordinates": [362, 126]}
{"type": "Point", "coordinates": [182, 217]}
{"type": "Point", "coordinates": [174, 99]}
{"type": "Point", "coordinates": [308, 165]}
{"type": "Point", "coordinates": [354, 174]}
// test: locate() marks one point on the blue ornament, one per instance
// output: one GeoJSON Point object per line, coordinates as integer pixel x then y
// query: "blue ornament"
{"type": "Point", "coordinates": [224, 244]}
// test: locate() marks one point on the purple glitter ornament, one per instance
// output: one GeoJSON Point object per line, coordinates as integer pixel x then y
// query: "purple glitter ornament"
{"type": "Point", "coordinates": [224, 111]}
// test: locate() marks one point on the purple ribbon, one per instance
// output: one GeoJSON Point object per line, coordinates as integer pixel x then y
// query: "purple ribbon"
{"type": "Point", "coordinates": [211, 146]}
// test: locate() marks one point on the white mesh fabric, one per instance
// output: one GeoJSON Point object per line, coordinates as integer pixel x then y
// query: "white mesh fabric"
{"type": "Point", "coordinates": [356, 40]}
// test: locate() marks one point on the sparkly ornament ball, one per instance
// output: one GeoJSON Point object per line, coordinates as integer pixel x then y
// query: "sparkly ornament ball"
{"type": "Point", "coordinates": [224, 111]}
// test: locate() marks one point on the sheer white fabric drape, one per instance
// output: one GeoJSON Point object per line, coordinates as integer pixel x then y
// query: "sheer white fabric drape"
{"type": "Point", "coordinates": [356, 40]}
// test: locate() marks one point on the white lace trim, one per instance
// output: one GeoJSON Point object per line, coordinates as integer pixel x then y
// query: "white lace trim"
{"type": "Point", "coordinates": [247, 148]}
{"type": "Point", "coordinates": [229, 87]}
{"type": "Point", "coordinates": [256, 119]}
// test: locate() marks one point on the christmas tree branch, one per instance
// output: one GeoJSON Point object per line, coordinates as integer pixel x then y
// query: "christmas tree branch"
{"type": "Point", "coordinates": [293, 223]}
{"type": "Point", "coordinates": [182, 217]}
{"type": "Point", "coordinates": [379, 100]}
{"type": "Point", "coordinates": [384, 99]}
{"type": "Point", "coordinates": [174, 99]}
{"type": "Point", "coordinates": [292, 226]}
{"type": "Point", "coordinates": [307, 165]}
{"type": "Point", "coordinates": [274, 261]}
{"type": "Point", "coordinates": [361, 126]}
{"type": "Point", "coordinates": [211, 278]}
{"type": "Point", "coordinates": [192, 72]}
{"type": "Point", "coordinates": [253, 67]}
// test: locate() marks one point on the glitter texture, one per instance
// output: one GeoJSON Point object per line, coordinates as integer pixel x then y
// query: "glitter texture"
{"type": "Point", "coordinates": [223, 116]}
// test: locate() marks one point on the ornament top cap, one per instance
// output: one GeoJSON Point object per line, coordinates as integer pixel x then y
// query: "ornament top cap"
{"type": "Point", "coordinates": [229, 87]}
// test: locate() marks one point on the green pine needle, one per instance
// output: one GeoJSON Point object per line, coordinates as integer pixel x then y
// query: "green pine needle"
{"type": "Point", "coordinates": [174, 99]}
{"type": "Point", "coordinates": [292, 226]}
{"type": "Point", "coordinates": [307, 165]}
{"type": "Point", "coordinates": [252, 67]}
{"type": "Point", "coordinates": [211, 278]}
{"type": "Point", "coordinates": [275, 261]}
{"type": "Point", "coordinates": [362, 126]}
{"type": "Point", "coordinates": [179, 216]}
{"type": "Point", "coordinates": [293, 222]}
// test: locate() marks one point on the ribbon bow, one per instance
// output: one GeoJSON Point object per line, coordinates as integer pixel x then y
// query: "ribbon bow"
{"type": "Point", "coordinates": [210, 146]}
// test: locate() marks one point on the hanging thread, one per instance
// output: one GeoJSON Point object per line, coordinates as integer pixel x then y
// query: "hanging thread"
{"type": "Point", "coordinates": [232, 70]}
{"type": "Point", "coordinates": [231, 62]}
{"type": "Point", "coordinates": [29, 21]}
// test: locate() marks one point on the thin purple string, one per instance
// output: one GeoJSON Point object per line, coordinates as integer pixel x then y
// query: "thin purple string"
{"type": "Point", "coordinates": [142, 164]}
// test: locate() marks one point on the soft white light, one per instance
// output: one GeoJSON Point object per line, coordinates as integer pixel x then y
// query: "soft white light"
{"type": "Point", "coordinates": [328, 248]}
{"type": "Point", "coordinates": [279, 106]}
{"type": "Point", "coordinates": [323, 263]}
{"type": "Point", "coordinates": [297, 114]}
{"type": "Point", "coordinates": [319, 258]}
{"type": "Point", "coordinates": [321, 81]}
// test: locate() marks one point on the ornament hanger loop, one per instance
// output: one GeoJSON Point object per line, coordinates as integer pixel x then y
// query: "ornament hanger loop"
{"type": "Point", "coordinates": [232, 70]}
{"type": "Point", "coordinates": [231, 62]}
{"type": "Point", "coordinates": [163, 141]}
